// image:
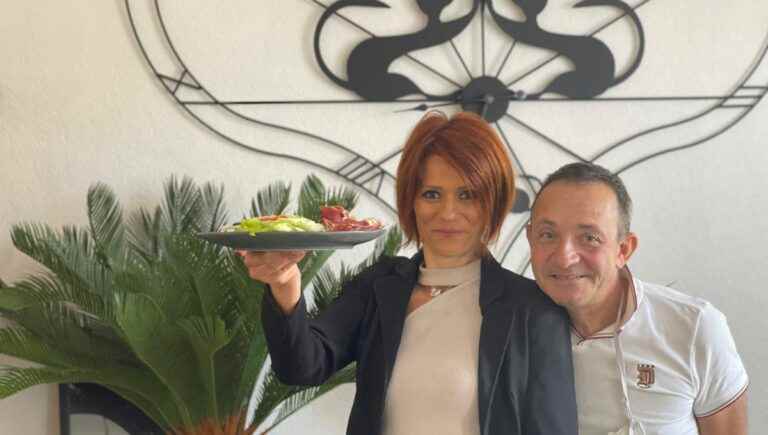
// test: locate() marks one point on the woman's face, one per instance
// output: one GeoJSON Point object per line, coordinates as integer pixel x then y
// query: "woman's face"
{"type": "Point", "coordinates": [448, 217]}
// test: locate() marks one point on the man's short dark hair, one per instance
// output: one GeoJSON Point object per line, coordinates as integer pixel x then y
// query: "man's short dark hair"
{"type": "Point", "coordinates": [583, 172]}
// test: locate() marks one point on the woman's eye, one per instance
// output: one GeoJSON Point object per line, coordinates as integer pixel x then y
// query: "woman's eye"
{"type": "Point", "coordinates": [466, 194]}
{"type": "Point", "coordinates": [430, 194]}
{"type": "Point", "coordinates": [546, 235]}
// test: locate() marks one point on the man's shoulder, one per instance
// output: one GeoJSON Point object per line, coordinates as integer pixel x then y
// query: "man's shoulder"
{"type": "Point", "coordinates": [662, 294]}
{"type": "Point", "coordinates": [665, 303]}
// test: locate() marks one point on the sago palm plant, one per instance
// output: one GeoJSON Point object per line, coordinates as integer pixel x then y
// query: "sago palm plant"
{"type": "Point", "coordinates": [166, 320]}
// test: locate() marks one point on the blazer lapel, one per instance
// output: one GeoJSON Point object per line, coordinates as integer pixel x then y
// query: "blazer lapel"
{"type": "Point", "coordinates": [494, 334]}
{"type": "Point", "coordinates": [393, 292]}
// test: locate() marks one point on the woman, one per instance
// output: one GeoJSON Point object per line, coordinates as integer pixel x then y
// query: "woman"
{"type": "Point", "coordinates": [447, 342]}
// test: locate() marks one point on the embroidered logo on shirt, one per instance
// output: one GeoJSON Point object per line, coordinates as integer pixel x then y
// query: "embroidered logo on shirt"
{"type": "Point", "coordinates": [646, 375]}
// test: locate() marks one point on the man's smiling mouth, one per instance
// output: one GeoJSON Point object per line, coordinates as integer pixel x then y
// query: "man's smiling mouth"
{"type": "Point", "coordinates": [566, 277]}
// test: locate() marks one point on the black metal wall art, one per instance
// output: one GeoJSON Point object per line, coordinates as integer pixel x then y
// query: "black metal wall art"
{"type": "Point", "coordinates": [592, 79]}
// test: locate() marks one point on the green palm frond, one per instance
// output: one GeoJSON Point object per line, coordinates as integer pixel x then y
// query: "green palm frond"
{"type": "Point", "coordinates": [75, 333]}
{"type": "Point", "coordinates": [390, 244]}
{"type": "Point", "coordinates": [303, 397]}
{"type": "Point", "coordinates": [186, 209]}
{"type": "Point", "coordinates": [252, 362]}
{"type": "Point", "coordinates": [165, 283]}
{"type": "Point", "coordinates": [181, 206]}
{"type": "Point", "coordinates": [45, 288]}
{"type": "Point", "coordinates": [105, 219]}
{"type": "Point", "coordinates": [214, 214]}
{"type": "Point", "coordinates": [81, 257]}
{"type": "Point", "coordinates": [70, 255]}
{"type": "Point", "coordinates": [45, 246]}
{"type": "Point", "coordinates": [312, 264]}
{"type": "Point", "coordinates": [327, 285]}
{"type": "Point", "coordinates": [238, 365]}
{"type": "Point", "coordinates": [154, 340]}
{"type": "Point", "coordinates": [147, 405]}
{"type": "Point", "coordinates": [269, 395]}
{"type": "Point", "coordinates": [13, 299]}
{"type": "Point", "coordinates": [198, 272]}
{"type": "Point", "coordinates": [271, 200]}
{"type": "Point", "coordinates": [314, 195]}
{"type": "Point", "coordinates": [13, 380]}
{"type": "Point", "coordinates": [21, 343]}
{"type": "Point", "coordinates": [207, 335]}
{"type": "Point", "coordinates": [311, 198]}
{"type": "Point", "coordinates": [386, 246]}
{"type": "Point", "coordinates": [343, 196]}
{"type": "Point", "coordinates": [167, 321]}
{"type": "Point", "coordinates": [245, 297]}
{"type": "Point", "coordinates": [144, 388]}
{"type": "Point", "coordinates": [75, 241]}
{"type": "Point", "coordinates": [34, 240]}
{"type": "Point", "coordinates": [145, 232]}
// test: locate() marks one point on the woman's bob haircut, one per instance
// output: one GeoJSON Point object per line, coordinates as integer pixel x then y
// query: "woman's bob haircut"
{"type": "Point", "coordinates": [467, 143]}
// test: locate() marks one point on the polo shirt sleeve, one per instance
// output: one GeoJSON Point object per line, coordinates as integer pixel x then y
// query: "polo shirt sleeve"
{"type": "Point", "coordinates": [718, 372]}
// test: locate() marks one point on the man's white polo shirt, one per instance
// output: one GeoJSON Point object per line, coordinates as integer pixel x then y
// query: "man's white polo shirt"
{"type": "Point", "coordinates": [679, 362]}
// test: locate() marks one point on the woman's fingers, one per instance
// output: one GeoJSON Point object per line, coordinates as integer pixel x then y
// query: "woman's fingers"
{"type": "Point", "coordinates": [277, 259]}
{"type": "Point", "coordinates": [272, 267]}
{"type": "Point", "coordinates": [278, 270]}
{"type": "Point", "coordinates": [295, 256]}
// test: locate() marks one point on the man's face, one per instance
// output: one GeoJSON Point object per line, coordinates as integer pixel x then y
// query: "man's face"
{"type": "Point", "coordinates": [576, 253]}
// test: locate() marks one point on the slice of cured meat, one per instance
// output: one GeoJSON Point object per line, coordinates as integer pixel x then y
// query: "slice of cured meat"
{"type": "Point", "coordinates": [337, 218]}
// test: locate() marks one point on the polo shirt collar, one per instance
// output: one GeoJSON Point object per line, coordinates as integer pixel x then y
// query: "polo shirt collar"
{"type": "Point", "coordinates": [636, 291]}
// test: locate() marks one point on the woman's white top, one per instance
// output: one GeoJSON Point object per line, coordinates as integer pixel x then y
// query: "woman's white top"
{"type": "Point", "coordinates": [433, 388]}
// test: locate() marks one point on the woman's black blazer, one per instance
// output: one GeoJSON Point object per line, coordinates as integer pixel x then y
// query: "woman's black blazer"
{"type": "Point", "coordinates": [525, 374]}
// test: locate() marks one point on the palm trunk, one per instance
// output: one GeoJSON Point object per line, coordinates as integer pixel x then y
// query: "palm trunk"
{"type": "Point", "coordinates": [234, 425]}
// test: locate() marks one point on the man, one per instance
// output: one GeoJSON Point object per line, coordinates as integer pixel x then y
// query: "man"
{"type": "Point", "coordinates": [647, 359]}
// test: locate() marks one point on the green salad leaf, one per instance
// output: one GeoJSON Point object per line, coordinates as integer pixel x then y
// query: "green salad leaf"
{"type": "Point", "coordinates": [284, 223]}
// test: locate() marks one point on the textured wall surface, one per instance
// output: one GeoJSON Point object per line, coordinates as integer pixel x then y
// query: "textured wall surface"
{"type": "Point", "coordinates": [79, 104]}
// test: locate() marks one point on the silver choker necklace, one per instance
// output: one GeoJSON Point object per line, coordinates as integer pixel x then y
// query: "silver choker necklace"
{"type": "Point", "coordinates": [435, 291]}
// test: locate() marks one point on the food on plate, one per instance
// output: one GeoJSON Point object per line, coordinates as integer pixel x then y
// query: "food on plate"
{"type": "Point", "coordinates": [283, 223]}
{"type": "Point", "coordinates": [335, 218]}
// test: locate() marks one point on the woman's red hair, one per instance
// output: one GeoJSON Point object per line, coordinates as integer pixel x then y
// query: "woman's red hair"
{"type": "Point", "coordinates": [467, 143]}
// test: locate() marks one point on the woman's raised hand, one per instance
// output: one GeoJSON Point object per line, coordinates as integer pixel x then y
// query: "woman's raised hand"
{"type": "Point", "coordinates": [280, 271]}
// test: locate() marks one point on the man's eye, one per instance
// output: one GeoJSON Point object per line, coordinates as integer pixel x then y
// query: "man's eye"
{"type": "Point", "coordinates": [430, 194]}
{"type": "Point", "coordinates": [592, 238]}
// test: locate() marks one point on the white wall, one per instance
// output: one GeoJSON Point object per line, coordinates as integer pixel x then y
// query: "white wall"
{"type": "Point", "coordinates": [78, 104]}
